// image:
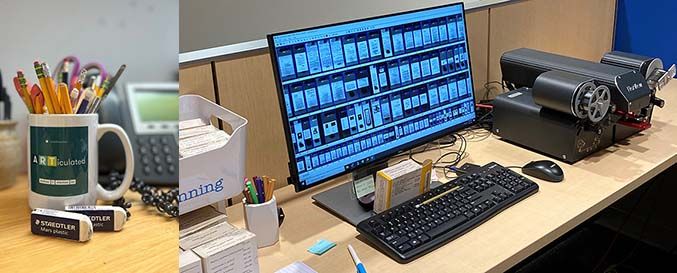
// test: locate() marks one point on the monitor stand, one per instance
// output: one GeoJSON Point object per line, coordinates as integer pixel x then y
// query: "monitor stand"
{"type": "Point", "coordinates": [342, 201]}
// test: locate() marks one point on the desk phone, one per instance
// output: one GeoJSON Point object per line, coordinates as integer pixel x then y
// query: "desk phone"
{"type": "Point", "coordinates": [153, 111]}
{"type": "Point", "coordinates": [149, 114]}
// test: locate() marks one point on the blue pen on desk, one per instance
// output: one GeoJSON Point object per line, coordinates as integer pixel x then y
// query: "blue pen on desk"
{"type": "Point", "coordinates": [358, 263]}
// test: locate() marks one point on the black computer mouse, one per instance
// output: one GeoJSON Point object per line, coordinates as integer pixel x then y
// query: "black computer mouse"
{"type": "Point", "coordinates": [544, 169]}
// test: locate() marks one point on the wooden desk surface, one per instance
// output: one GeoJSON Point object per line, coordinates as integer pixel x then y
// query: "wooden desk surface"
{"type": "Point", "coordinates": [589, 186]}
{"type": "Point", "coordinates": [147, 242]}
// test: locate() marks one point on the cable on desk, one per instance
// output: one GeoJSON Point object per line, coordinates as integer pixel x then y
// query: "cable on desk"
{"type": "Point", "coordinates": [439, 163]}
{"type": "Point", "coordinates": [166, 202]}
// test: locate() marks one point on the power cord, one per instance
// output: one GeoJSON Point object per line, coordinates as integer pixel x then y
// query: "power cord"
{"type": "Point", "coordinates": [487, 88]}
{"type": "Point", "coordinates": [440, 163]}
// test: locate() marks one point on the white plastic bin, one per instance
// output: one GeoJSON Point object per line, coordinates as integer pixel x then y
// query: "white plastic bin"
{"type": "Point", "coordinates": [216, 175]}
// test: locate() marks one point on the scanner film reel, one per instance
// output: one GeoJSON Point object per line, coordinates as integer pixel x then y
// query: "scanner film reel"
{"type": "Point", "coordinates": [577, 107]}
{"type": "Point", "coordinates": [596, 103]}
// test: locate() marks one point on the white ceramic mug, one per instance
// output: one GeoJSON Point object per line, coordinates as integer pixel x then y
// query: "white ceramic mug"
{"type": "Point", "coordinates": [63, 166]}
{"type": "Point", "coordinates": [262, 220]}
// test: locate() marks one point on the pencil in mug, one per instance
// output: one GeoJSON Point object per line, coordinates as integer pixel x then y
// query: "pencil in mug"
{"type": "Point", "coordinates": [85, 101]}
{"type": "Point", "coordinates": [35, 93]}
{"type": "Point", "coordinates": [74, 97]}
{"type": "Point", "coordinates": [20, 85]}
{"type": "Point", "coordinates": [273, 182]}
{"type": "Point", "coordinates": [246, 195]}
{"type": "Point", "coordinates": [267, 188]}
{"type": "Point", "coordinates": [23, 83]}
{"type": "Point", "coordinates": [39, 103]}
{"type": "Point", "coordinates": [81, 79]}
{"type": "Point", "coordinates": [52, 90]}
{"type": "Point", "coordinates": [109, 87]}
{"type": "Point", "coordinates": [65, 99]}
{"type": "Point", "coordinates": [93, 105]}
{"type": "Point", "coordinates": [252, 192]}
{"type": "Point", "coordinates": [43, 87]}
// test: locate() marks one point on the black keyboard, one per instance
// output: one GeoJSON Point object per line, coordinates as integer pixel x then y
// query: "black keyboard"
{"type": "Point", "coordinates": [432, 219]}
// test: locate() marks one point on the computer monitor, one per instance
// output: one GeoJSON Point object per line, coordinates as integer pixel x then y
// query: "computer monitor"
{"type": "Point", "coordinates": [355, 93]}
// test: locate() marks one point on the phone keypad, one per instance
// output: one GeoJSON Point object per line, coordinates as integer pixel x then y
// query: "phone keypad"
{"type": "Point", "coordinates": [158, 156]}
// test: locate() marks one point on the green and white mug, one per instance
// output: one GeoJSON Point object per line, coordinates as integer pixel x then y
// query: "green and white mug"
{"type": "Point", "coordinates": [63, 164]}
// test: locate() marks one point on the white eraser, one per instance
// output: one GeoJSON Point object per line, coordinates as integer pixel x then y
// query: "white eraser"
{"type": "Point", "coordinates": [61, 224]}
{"type": "Point", "coordinates": [104, 218]}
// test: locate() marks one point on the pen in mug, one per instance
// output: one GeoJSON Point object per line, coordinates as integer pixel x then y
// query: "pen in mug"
{"type": "Point", "coordinates": [85, 101]}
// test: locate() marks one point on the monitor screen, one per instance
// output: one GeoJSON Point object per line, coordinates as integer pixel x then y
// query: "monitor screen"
{"type": "Point", "coordinates": [358, 92]}
{"type": "Point", "coordinates": [157, 105]}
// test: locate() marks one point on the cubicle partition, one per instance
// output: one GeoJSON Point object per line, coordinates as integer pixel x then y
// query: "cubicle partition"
{"type": "Point", "coordinates": [243, 81]}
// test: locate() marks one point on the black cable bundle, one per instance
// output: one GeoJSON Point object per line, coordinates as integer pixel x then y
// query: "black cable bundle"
{"type": "Point", "coordinates": [166, 202]}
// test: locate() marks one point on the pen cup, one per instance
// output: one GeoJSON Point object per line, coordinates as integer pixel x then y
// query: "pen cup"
{"type": "Point", "coordinates": [262, 220]}
{"type": "Point", "coordinates": [63, 155]}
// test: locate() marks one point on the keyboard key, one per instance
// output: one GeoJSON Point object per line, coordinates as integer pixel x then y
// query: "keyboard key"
{"type": "Point", "coordinates": [423, 238]}
{"type": "Point", "coordinates": [446, 226]}
{"type": "Point", "coordinates": [404, 248]}
{"type": "Point", "coordinates": [399, 241]}
{"type": "Point", "coordinates": [391, 237]}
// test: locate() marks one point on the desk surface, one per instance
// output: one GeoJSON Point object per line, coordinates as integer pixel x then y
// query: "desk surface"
{"type": "Point", "coordinates": [590, 185]}
{"type": "Point", "coordinates": [147, 242]}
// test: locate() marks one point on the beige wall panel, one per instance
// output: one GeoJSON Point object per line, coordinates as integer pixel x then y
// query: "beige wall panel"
{"type": "Point", "coordinates": [478, 38]}
{"type": "Point", "coordinates": [197, 79]}
{"type": "Point", "coordinates": [577, 28]}
{"type": "Point", "coordinates": [247, 87]}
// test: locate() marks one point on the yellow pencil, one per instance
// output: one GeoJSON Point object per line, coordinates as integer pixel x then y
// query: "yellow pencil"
{"type": "Point", "coordinates": [52, 90]}
{"type": "Point", "coordinates": [65, 99]}
{"type": "Point", "coordinates": [20, 85]}
{"type": "Point", "coordinates": [104, 86]}
{"type": "Point", "coordinates": [24, 88]}
{"type": "Point", "coordinates": [43, 87]}
{"type": "Point", "coordinates": [271, 188]}
{"type": "Point", "coordinates": [39, 104]}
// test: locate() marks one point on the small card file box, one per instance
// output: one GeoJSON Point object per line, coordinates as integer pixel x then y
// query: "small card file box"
{"type": "Point", "coordinates": [215, 175]}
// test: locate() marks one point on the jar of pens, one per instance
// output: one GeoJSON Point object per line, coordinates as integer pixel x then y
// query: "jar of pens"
{"type": "Point", "coordinates": [261, 214]}
{"type": "Point", "coordinates": [63, 135]}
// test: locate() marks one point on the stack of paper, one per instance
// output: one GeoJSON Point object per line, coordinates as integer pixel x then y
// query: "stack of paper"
{"type": "Point", "coordinates": [206, 235]}
{"type": "Point", "coordinates": [197, 136]}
